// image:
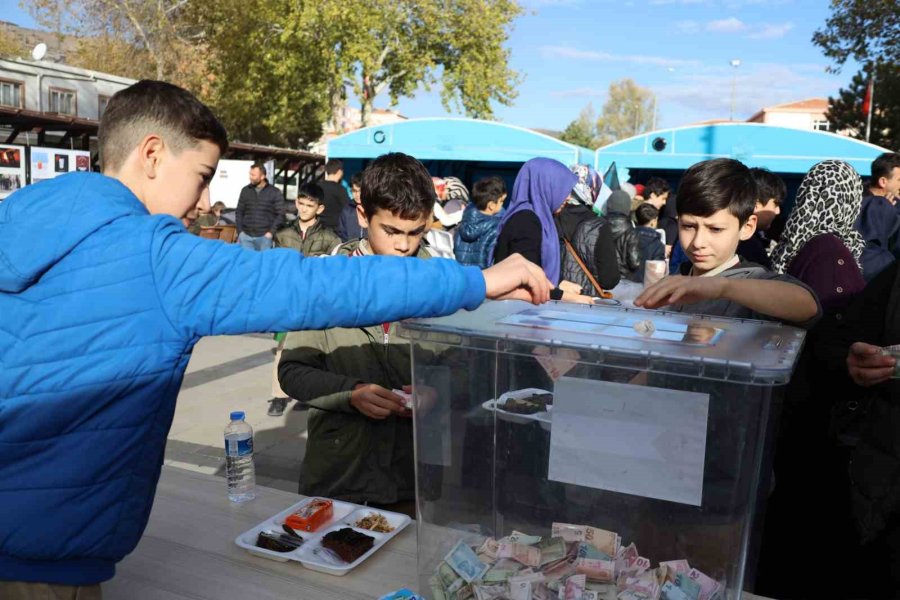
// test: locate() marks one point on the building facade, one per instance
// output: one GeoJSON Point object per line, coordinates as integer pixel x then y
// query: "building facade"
{"type": "Point", "coordinates": [47, 87]}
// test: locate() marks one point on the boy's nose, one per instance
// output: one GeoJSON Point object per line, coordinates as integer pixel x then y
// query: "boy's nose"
{"type": "Point", "coordinates": [203, 203]}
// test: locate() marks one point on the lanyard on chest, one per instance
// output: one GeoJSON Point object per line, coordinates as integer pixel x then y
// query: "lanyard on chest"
{"type": "Point", "coordinates": [386, 329]}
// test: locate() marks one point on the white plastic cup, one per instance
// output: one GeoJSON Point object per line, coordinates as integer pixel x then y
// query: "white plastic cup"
{"type": "Point", "coordinates": [654, 270]}
{"type": "Point", "coordinates": [895, 352]}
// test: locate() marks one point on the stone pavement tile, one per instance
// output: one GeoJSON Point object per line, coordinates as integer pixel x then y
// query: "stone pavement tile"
{"type": "Point", "coordinates": [212, 351]}
{"type": "Point", "coordinates": [226, 382]}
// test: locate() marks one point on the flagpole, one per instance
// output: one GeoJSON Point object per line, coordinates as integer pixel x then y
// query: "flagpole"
{"type": "Point", "coordinates": [871, 107]}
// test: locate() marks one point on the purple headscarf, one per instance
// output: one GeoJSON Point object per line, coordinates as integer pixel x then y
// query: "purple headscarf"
{"type": "Point", "coordinates": [542, 186]}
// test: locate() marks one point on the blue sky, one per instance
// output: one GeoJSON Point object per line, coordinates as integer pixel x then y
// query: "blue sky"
{"type": "Point", "coordinates": [570, 50]}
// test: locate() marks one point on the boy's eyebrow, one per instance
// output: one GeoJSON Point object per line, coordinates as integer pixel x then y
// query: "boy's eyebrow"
{"type": "Point", "coordinates": [392, 229]}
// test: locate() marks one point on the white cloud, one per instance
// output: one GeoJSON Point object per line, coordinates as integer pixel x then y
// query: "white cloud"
{"type": "Point", "coordinates": [771, 31]}
{"type": "Point", "coordinates": [583, 92]}
{"type": "Point", "coordinates": [688, 27]}
{"type": "Point", "coordinates": [729, 25]}
{"type": "Point", "coordinates": [591, 55]}
{"type": "Point", "coordinates": [733, 25]}
{"type": "Point", "coordinates": [731, 4]}
{"type": "Point", "coordinates": [709, 90]}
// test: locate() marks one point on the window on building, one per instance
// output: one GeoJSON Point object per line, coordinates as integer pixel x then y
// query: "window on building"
{"type": "Point", "coordinates": [821, 125]}
{"type": "Point", "coordinates": [63, 101]}
{"type": "Point", "coordinates": [102, 101]}
{"type": "Point", "coordinates": [11, 93]}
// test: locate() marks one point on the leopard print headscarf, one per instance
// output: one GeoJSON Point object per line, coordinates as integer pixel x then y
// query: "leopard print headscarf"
{"type": "Point", "coordinates": [828, 201]}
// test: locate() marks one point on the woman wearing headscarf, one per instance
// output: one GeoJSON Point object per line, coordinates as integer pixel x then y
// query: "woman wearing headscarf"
{"type": "Point", "coordinates": [821, 248]}
{"type": "Point", "coordinates": [589, 235]}
{"type": "Point", "coordinates": [820, 245]}
{"type": "Point", "coordinates": [528, 227]}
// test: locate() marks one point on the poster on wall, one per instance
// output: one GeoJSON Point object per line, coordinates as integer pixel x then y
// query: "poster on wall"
{"type": "Point", "coordinates": [47, 163]}
{"type": "Point", "coordinates": [12, 169]}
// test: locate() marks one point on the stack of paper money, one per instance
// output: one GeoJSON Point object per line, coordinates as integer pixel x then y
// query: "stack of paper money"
{"type": "Point", "coordinates": [577, 562]}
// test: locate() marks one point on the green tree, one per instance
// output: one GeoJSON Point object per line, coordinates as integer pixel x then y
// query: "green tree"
{"type": "Point", "coordinates": [869, 33]}
{"type": "Point", "coordinates": [138, 39]}
{"type": "Point", "coordinates": [275, 66]}
{"type": "Point", "coordinates": [628, 111]}
{"type": "Point", "coordinates": [583, 130]}
{"type": "Point", "coordinates": [10, 46]}
{"type": "Point", "coordinates": [394, 46]}
{"type": "Point", "coordinates": [282, 67]}
{"type": "Point", "coordinates": [866, 30]}
{"type": "Point", "coordinates": [845, 111]}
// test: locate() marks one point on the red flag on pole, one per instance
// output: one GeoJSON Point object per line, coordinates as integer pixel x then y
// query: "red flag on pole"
{"type": "Point", "coordinates": [867, 102]}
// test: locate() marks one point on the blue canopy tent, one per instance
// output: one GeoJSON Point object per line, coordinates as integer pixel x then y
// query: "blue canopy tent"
{"type": "Point", "coordinates": [464, 148]}
{"type": "Point", "coordinates": [788, 152]}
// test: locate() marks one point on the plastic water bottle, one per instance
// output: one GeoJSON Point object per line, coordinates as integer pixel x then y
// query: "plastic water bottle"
{"type": "Point", "coordinates": [239, 469]}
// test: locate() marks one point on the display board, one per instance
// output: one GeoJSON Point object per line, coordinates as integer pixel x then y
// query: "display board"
{"type": "Point", "coordinates": [12, 169]}
{"type": "Point", "coordinates": [47, 163]}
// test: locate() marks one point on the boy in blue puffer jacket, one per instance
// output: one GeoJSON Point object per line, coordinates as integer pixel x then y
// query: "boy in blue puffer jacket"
{"type": "Point", "coordinates": [101, 308]}
{"type": "Point", "coordinates": [476, 235]}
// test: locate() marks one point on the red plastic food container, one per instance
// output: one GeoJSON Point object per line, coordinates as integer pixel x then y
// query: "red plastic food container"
{"type": "Point", "coordinates": [312, 515]}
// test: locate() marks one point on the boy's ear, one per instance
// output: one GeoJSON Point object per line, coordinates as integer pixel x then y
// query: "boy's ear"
{"type": "Point", "coordinates": [320, 209]}
{"type": "Point", "coordinates": [748, 228]}
{"type": "Point", "coordinates": [149, 154]}
{"type": "Point", "coordinates": [361, 217]}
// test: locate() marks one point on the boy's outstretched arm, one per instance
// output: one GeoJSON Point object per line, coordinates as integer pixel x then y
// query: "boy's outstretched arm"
{"type": "Point", "coordinates": [210, 288]}
{"type": "Point", "coordinates": [781, 300]}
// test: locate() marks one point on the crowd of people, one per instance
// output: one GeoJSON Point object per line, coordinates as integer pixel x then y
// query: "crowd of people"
{"type": "Point", "coordinates": [101, 317]}
{"type": "Point", "coordinates": [714, 233]}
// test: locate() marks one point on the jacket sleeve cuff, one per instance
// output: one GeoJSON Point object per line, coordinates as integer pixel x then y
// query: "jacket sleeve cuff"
{"type": "Point", "coordinates": [476, 288]}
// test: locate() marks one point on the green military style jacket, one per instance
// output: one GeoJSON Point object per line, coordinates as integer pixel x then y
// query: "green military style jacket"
{"type": "Point", "coordinates": [319, 239]}
{"type": "Point", "coordinates": [348, 455]}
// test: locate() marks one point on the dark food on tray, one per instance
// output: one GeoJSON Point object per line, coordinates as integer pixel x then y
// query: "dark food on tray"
{"type": "Point", "coordinates": [529, 405]}
{"type": "Point", "coordinates": [348, 544]}
{"type": "Point", "coordinates": [375, 522]}
{"type": "Point", "coordinates": [278, 542]}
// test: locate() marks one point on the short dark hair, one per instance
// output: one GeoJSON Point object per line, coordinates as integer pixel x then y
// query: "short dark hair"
{"type": "Point", "coordinates": [261, 167]}
{"type": "Point", "coordinates": [883, 165]}
{"type": "Point", "coordinates": [713, 185]}
{"type": "Point", "coordinates": [656, 185]}
{"type": "Point", "coordinates": [155, 107]}
{"type": "Point", "coordinates": [397, 183]}
{"type": "Point", "coordinates": [333, 166]}
{"type": "Point", "coordinates": [312, 191]}
{"type": "Point", "coordinates": [645, 213]}
{"type": "Point", "coordinates": [487, 190]}
{"type": "Point", "coordinates": [356, 180]}
{"type": "Point", "coordinates": [769, 185]}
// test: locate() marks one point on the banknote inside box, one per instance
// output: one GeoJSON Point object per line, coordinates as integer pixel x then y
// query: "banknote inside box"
{"type": "Point", "coordinates": [578, 451]}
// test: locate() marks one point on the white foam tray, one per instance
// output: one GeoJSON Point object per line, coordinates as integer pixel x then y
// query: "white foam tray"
{"type": "Point", "coordinates": [544, 418]}
{"type": "Point", "coordinates": [311, 554]}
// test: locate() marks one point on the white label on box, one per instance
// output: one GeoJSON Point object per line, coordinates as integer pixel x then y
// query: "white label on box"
{"type": "Point", "coordinates": [632, 439]}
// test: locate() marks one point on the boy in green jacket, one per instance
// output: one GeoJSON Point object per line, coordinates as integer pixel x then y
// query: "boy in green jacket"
{"type": "Point", "coordinates": [360, 444]}
{"type": "Point", "coordinates": [311, 238]}
{"type": "Point", "coordinates": [307, 234]}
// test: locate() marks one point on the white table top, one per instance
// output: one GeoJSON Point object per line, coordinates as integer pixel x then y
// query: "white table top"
{"type": "Point", "coordinates": [188, 552]}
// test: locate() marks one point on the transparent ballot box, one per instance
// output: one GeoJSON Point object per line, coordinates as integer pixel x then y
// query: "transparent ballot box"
{"type": "Point", "coordinates": [613, 451]}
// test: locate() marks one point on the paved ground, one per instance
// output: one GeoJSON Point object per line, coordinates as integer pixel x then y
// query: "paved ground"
{"type": "Point", "coordinates": [234, 373]}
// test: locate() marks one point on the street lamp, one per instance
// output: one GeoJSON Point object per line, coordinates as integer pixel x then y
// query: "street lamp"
{"type": "Point", "coordinates": [735, 63]}
{"type": "Point", "coordinates": [669, 70]}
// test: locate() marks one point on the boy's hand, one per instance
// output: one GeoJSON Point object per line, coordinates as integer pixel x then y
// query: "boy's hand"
{"type": "Point", "coordinates": [577, 298]}
{"type": "Point", "coordinates": [569, 287]}
{"type": "Point", "coordinates": [677, 289]}
{"type": "Point", "coordinates": [867, 366]}
{"type": "Point", "coordinates": [375, 401]}
{"type": "Point", "coordinates": [517, 278]}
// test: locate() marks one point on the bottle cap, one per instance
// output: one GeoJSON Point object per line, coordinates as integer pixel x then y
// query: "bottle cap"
{"type": "Point", "coordinates": [237, 415]}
